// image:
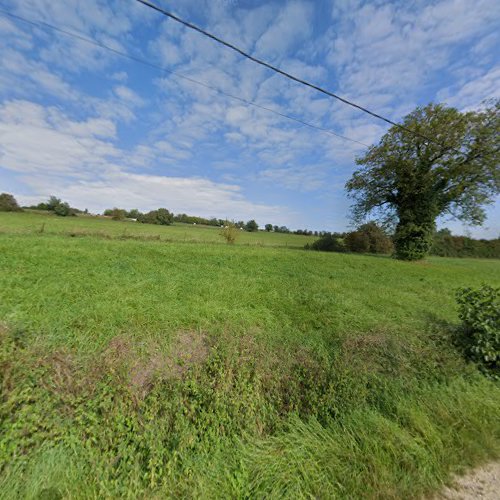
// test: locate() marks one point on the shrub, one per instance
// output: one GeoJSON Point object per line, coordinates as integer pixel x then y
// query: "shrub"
{"type": "Point", "coordinates": [63, 210]}
{"type": "Point", "coordinates": [369, 238]}
{"type": "Point", "coordinates": [52, 203]}
{"type": "Point", "coordinates": [479, 311]}
{"type": "Point", "coordinates": [134, 214]}
{"type": "Point", "coordinates": [328, 243]}
{"type": "Point", "coordinates": [8, 203]}
{"type": "Point", "coordinates": [118, 214]}
{"type": "Point", "coordinates": [229, 232]}
{"type": "Point", "coordinates": [358, 242]}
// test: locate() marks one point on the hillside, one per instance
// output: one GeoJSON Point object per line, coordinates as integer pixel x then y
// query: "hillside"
{"type": "Point", "coordinates": [144, 361]}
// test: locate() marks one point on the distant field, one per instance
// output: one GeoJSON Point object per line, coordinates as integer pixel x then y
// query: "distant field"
{"type": "Point", "coordinates": [32, 222]}
{"type": "Point", "coordinates": [180, 367]}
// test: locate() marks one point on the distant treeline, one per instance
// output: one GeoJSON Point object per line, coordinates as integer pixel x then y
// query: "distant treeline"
{"type": "Point", "coordinates": [165, 217]}
{"type": "Point", "coordinates": [159, 216]}
{"type": "Point", "coordinates": [448, 245]}
{"type": "Point", "coordinates": [368, 238]}
{"type": "Point", "coordinates": [58, 207]}
{"type": "Point", "coordinates": [371, 238]}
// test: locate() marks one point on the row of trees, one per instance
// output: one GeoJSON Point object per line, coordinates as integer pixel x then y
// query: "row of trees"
{"type": "Point", "coordinates": [55, 205]}
{"type": "Point", "coordinates": [368, 238]}
{"type": "Point", "coordinates": [447, 245]}
{"type": "Point", "coordinates": [283, 229]}
{"type": "Point", "coordinates": [161, 216]}
{"type": "Point", "coordinates": [58, 207]}
{"type": "Point", "coordinates": [165, 217]}
{"type": "Point", "coordinates": [373, 239]}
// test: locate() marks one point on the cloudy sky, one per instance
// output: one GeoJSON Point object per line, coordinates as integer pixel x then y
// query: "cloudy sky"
{"type": "Point", "coordinates": [101, 130]}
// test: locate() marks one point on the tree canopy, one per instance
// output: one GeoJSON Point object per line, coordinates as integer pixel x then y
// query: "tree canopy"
{"type": "Point", "coordinates": [251, 226]}
{"type": "Point", "coordinates": [162, 216]}
{"type": "Point", "coordinates": [8, 203]}
{"type": "Point", "coordinates": [408, 181]}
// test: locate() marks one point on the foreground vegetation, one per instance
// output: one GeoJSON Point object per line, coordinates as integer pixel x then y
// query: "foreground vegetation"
{"type": "Point", "coordinates": [136, 366]}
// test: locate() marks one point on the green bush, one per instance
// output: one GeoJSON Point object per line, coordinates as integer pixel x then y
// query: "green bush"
{"type": "Point", "coordinates": [56, 205]}
{"type": "Point", "coordinates": [63, 210]}
{"type": "Point", "coordinates": [357, 242]}
{"type": "Point", "coordinates": [229, 232]}
{"type": "Point", "coordinates": [480, 315]}
{"type": "Point", "coordinates": [161, 216]}
{"type": "Point", "coordinates": [328, 243]}
{"type": "Point", "coordinates": [413, 241]}
{"type": "Point", "coordinates": [447, 245]}
{"type": "Point", "coordinates": [8, 203]}
{"type": "Point", "coordinates": [369, 238]}
{"type": "Point", "coordinates": [118, 214]}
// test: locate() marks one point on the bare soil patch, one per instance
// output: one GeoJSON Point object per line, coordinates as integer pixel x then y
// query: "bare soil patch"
{"type": "Point", "coordinates": [483, 482]}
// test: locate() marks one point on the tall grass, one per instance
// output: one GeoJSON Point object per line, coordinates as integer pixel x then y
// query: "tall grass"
{"type": "Point", "coordinates": [142, 369]}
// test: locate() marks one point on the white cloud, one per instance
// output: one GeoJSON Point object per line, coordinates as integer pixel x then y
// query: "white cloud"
{"type": "Point", "coordinates": [388, 56]}
{"type": "Point", "coordinates": [473, 92]}
{"type": "Point", "coordinates": [395, 48]}
{"type": "Point", "coordinates": [147, 192]}
{"type": "Point", "coordinates": [53, 154]}
{"type": "Point", "coordinates": [292, 25]}
{"type": "Point", "coordinates": [129, 96]}
{"type": "Point", "coordinates": [36, 139]}
{"type": "Point", "coordinates": [120, 76]}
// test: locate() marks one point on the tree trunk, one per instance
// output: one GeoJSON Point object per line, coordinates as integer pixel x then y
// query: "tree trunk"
{"type": "Point", "coordinates": [414, 232]}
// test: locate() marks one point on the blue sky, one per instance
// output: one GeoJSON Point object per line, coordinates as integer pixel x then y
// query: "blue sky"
{"type": "Point", "coordinates": [100, 130]}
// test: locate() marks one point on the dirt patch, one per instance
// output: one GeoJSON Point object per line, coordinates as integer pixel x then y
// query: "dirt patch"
{"type": "Point", "coordinates": [188, 350]}
{"type": "Point", "coordinates": [62, 372]}
{"type": "Point", "coordinates": [483, 482]}
{"type": "Point", "coordinates": [375, 352]}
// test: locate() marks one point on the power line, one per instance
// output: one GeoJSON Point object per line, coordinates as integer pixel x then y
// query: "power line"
{"type": "Point", "coordinates": [280, 71]}
{"type": "Point", "coordinates": [43, 24]}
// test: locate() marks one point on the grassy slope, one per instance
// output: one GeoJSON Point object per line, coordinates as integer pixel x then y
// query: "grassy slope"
{"type": "Point", "coordinates": [367, 397]}
{"type": "Point", "coordinates": [32, 221]}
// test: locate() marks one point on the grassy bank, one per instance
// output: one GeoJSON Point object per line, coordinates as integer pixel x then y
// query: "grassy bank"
{"type": "Point", "coordinates": [141, 368]}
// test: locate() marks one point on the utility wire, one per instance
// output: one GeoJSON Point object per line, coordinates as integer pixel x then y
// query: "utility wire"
{"type": "Point", "coordinates": [42, 24]}
{"type": "Point", "coordinates": [280, 71]}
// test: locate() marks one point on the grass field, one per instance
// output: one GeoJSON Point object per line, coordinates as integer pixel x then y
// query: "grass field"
{"type": "Point", "coordinates": [139, 367]}
{"type": "Point", "coordinates": [102, 226]}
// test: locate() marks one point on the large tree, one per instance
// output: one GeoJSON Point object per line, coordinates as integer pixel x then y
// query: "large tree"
{"type": "Point", "coordinates": [408, 180]}
{"type": "Point", "coordinates": [8, 203]}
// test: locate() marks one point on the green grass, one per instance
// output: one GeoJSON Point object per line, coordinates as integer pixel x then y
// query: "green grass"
{"type": "Point", "coordinates": [187, 367]}
{"type": "Point", "coordinates": [33, 221]}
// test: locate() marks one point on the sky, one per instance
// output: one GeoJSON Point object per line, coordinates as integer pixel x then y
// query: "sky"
{"type": "Point", "coordinates": [100, 130]}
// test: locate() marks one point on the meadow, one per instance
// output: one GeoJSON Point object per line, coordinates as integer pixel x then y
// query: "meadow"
{"type": "Point", "coordinates": [99, 226]}
{"type": "Point", "coordinates": [141, 361]}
